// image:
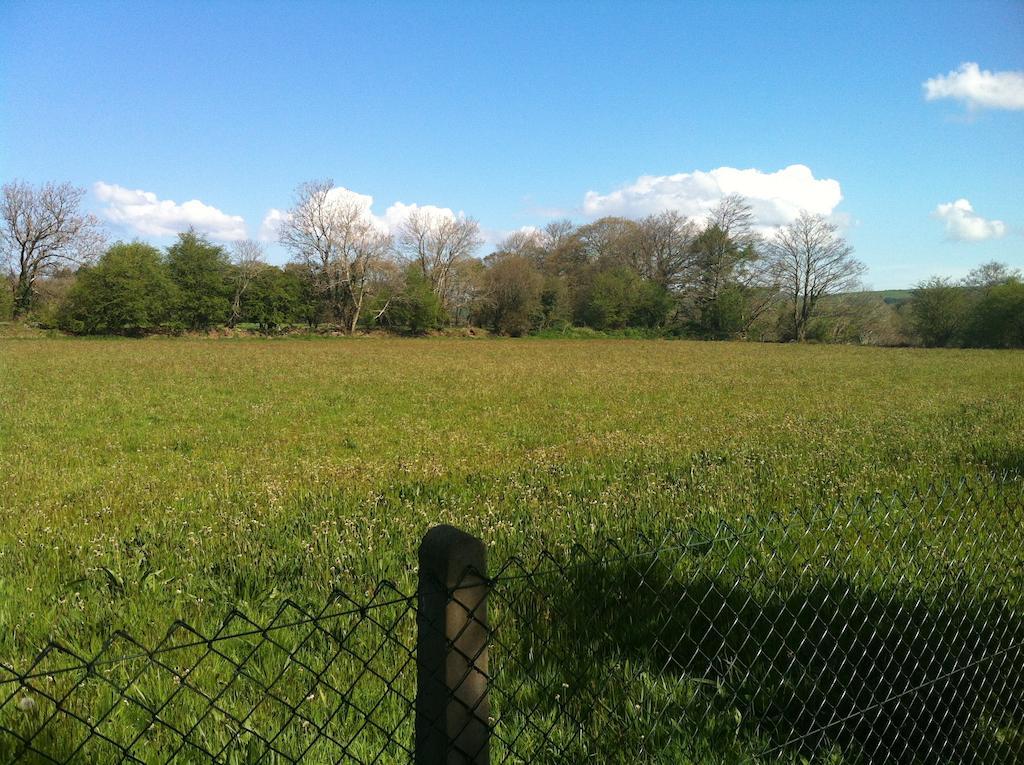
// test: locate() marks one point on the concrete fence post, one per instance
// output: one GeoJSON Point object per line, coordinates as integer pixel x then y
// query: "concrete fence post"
{"type": "Point", "coordinates": [452, 705]}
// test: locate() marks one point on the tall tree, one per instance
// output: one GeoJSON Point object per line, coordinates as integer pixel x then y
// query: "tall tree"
{"type": "Point", "coordinates": [563, 253]}
{"type": "Point", "coordinates": [730, 284]}
{"type": "Point", "coordinates": [437, 244]}
{"type": "Point", "coordinates": [512, 291]}
{"type": "Point", "coordinates": [333, 234]}
{"type": "Point", "coordinates": [990, 274]}
{"type": "Point", "coordinates": [723, 248]}
{"type": "Point", "coordinates": [41, 229]}
{"type": "Point", "coordinates": [609, 242]}
{"type": "Point", "coordinates": [664, 249]}
{"type": "Point", "coordinates": [248, 259]}
{"type": "Point", "coordinates": [199, 270]}
{"type": "Point", "coordinates": [811, 260]}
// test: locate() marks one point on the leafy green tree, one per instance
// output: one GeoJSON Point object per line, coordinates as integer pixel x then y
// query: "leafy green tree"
{"type": "Point", "coordinates": [938, 310]}
{"type": "Point", "coordinates": [996, 320]}
{"type": "Point", "coordinates": [608, 301]}
{"type": "Point", "coordinates": [311, 308]}
{"type": "Point", "coordinates": [619, 297]}
{"type": "Point", "coordinates": [555, 306]}
{"type": "Point", "coordinates": [512, 288]}
{"type": "Point", "coordinates": [200, 271]}
{"type": "Point", "coordinates": [129, 291]}
{"type": "Point", "coordinates": [652, 305]}
{"type": "Point", "coordinates": [725, 315]}
{"type": "Point", "coordinates": [416, 308]}
{"type": "Point", "coordinates": [272, 298]}
{"type": "Point", "coordinates": [6, 299]}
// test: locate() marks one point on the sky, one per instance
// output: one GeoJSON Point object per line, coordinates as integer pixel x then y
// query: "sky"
{"type": "Point", "coordinates": [902, 122]}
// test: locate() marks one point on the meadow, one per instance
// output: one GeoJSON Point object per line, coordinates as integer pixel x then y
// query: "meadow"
{"type": "Point", "coordinates": [143, 481]}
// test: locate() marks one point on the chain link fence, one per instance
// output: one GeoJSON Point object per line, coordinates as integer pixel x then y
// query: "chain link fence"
{"type": "Point", "coordinates": [877, 631]}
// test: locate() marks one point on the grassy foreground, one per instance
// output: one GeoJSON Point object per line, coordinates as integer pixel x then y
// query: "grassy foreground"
{"type": "Point", "coordinates": [146, 480]}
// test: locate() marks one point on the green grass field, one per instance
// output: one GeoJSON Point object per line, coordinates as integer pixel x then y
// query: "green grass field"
{"type": "Point", "coordinates": [188, 476]}
{"type": "Point", "coordinates": [143, 481]}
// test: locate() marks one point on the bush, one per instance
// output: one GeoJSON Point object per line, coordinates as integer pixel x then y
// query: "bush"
{"type": "Point", "coordinates": [129, 292]}
{"type": "Point", "coordinates": [996, 320]}
{"type": "Point", "coordinates": [938, 310]}
{"type": "Point", "coordinates": [6, 301]}
{"type": "Point", "coordinates": [272, 299]}
{"type": "Point", "coordinates": [199, 269]}
{"type": "Point", "coordinates": [416, 309]}
{"type": "Point", "coordinates": [513, 303]}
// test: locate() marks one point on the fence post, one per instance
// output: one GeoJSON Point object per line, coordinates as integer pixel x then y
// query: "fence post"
{"type": "Point", "coordinates": [452, 705]}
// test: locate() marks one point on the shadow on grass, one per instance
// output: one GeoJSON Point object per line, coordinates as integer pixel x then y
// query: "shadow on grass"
{"type": "Point", "coordinates": [1001, 459]}
{"type": "Point", "coordinates": [624, 664]}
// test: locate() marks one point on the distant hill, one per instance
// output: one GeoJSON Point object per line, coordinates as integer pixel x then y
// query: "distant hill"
{"type": "Point", "coordinates": [892, 297]}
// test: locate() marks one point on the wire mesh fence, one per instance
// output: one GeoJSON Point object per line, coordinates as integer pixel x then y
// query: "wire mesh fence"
{"type": "Point", "coordinates": [875, 631]}
{"type": "Point", "coordinates": [879, 632]}
{"type": "Point", "coordinates": [327, 686]}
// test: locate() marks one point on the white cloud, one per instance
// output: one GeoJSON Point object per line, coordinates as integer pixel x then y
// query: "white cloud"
{"type": "Point", "coordinates": [978, 88]}
{"type": "Point", "coordinates": [341, 196]}
{"type": "Point", "coordinates": [145, 213]}
{"type": "Point", "coordinates": [493, 237]}
{"type": "Point", "coordinates": [965, 225]}
{"type": "Point", "coordinates": [271, 224]}
{"type": "Point", "coordinates": [389, 222]}
{"type": "Point", "coordinates": [776, 198]}
{"type": "Point", "coordinates": [397, 213]}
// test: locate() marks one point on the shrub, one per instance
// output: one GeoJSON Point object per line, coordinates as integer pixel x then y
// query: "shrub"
{"type": "Point", "coordinates": [996, 320]}
{"type": "Point", "coordinates": [129, 292]}
{"type": "Point", "coordinates": [199, 269]}
{"type": "Point", "coordinates": [272, 299]}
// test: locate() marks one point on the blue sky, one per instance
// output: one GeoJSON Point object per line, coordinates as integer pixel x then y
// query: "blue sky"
{"type": "Point", "coordinates": [513, 112]}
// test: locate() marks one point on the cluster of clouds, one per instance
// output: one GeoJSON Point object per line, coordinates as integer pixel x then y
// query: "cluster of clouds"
{"type": "Point", "coordinates": [776, 197]}
{"type": "Point", "coordinates": [978, 88]}
{"type": "Point", "coordinates": [963, 224]}
{"type": "Point", "coordinates": [147, 214]}
{"type": "Point", "coordinates": [143, 212]}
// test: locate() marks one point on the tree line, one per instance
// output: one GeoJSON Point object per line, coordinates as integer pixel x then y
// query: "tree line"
{"type": "Point", "coordinates": [664, 275]}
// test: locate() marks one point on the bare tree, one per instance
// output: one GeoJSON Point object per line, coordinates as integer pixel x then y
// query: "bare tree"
{"type": "Point", "coordinates": [562, 248]}
{"type": "Point", "coordinates": [664, 249]}
{"type": "Point", "coordinates": [810, 261]}
{"type": "Point", "coordinates": [990, 274]}
{"type": "Point", "coordinates": [248, 258]}
{"type": "Point", "coordinates": [735, 217]}
{"type": "Point", "coordinates": [529, 243]}
{"type": "Point", "coordinates": [609, 241]}
{"type": "Point", "coordinates": [43, 228]}
{"type": "Point", "coordinates": [557, 233]}
{"type": "Point", "coordinates": [437, 244]}
{"type": "Point", "coordinates": [338, 241]}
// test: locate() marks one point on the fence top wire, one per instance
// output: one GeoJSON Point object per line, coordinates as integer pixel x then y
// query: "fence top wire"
{"type": "Point", "coordinates": [167, 644]}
